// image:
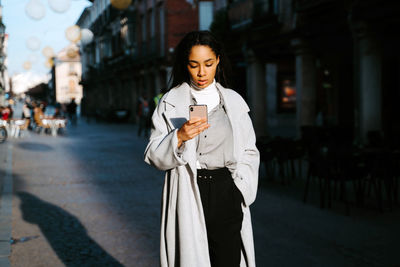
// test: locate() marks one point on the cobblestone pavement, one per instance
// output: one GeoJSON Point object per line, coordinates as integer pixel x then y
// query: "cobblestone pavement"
{"type": "Point", "coordinates": [87, 199]}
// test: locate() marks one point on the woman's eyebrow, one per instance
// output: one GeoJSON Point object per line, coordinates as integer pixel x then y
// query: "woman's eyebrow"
{"type": "Point", "coordinates": [194, 61]}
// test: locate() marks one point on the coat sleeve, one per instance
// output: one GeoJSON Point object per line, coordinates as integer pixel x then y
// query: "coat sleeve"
{"type": "Point", "coordinates": [162, 150]}
{"type": "Point", "coordinates": [246, 173]}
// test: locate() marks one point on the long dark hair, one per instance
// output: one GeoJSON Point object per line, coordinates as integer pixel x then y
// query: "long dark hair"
{"type": "Point", "coordinates": [180, 72]}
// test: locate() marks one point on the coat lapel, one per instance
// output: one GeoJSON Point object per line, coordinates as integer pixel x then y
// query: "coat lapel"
{"type": "Point", "coordinates": [177, 113]}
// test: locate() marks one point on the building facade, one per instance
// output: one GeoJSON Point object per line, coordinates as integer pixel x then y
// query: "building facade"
{"type": "Point", "coordinates": [296, 62]}
{"type": "Point", "coordinates": [131, 53]}
{"type": "Point", "coordinates": [4, 79]}
{"type": "Point", "coordinates": [67, 71]}
{"type": "Point", "coordinates": [316, 62]}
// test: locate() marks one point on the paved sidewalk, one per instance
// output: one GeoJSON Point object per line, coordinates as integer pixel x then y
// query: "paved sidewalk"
{"type": "Point", "coordinates": [5, 202]}
{"type": "Point", "coordinates": [103, 187]}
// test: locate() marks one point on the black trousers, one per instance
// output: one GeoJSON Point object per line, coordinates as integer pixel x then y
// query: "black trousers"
{"type": "Point", "coordinates": [222, 208]}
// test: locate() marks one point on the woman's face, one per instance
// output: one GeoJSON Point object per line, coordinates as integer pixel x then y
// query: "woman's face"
{"type": "Point", "coordinates": [202, 65]}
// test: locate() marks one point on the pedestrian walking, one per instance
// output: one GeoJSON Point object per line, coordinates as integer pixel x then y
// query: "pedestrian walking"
{"type": "Point", "coordinates": [211, 164]}
{"type": "Point", "coordinates": [71, 111]}
{"type": "Point", "coordinates": [156, 100]}
{"type": "Point", "coordinates": [153, 104]}
{"type": "Point", "coordinates": [26, 111]}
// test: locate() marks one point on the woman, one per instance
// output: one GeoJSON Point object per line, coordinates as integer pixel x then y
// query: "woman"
{"type": "Point", "coordinates": [211, 167]}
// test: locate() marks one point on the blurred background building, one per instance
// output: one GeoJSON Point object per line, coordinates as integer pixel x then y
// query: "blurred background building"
{"type": "Point", "coordinates": [66, 76]}
{"type": "Point", "coordinates": [132, 49]}
{"type": "Point", "coordinates": [4, 80]}
{"type": "Point", "coordinates": [297, 62]}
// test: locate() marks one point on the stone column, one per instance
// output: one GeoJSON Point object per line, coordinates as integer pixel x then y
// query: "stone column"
{"type": "Point", "coordinates": [306, 84]}
{"type": "Point", "coordinates": [256, 91]}
{"type": "Point", "coordinates": [369, 76]}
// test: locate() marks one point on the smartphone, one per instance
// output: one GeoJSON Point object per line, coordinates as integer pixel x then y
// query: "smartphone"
{"type": "Point", "coordinates": [199, 111]}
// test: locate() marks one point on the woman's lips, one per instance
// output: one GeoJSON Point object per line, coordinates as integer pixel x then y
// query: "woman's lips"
{"type": "Point", "coordinates": [201, 82]}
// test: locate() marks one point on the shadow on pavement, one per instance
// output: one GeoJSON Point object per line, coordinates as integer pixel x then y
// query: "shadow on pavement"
{"type": "Point", "coordinates": [66, 235]}
{"type": "Point", "coordinates": [34, 146]}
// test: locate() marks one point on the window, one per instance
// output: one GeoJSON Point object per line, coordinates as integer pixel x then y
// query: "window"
{"type": "Point", "coordinates": [71, 68]}
{"type": "Point", "coordinates": [286, 93]}
{"type": "Point", "coordinates": [124, 34]}
{"type": "Point", "coordinates": [98, 52]}
{"type": "Point", "coordinates": [152, 23]}
{"type": "Point", "coordinates": [276, 6]}
{"type": "Point", "coordinates": [205, 15]}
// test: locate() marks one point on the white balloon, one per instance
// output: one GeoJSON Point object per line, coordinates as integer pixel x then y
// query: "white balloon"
{"type": "Point", "coordinates": [27, 65]}
{"type": "Point", "coordinates": [59, 6]}
{"type": "Point", "coordinates": [86, 36]}
{"type": "Point", "coordinates": [33, 43]}
{"type": "Point", "coordinates": [48, 52]}
{"type": "Point", "coordinates": [73, 33]}
{"type": "Point", "coordinates": [35, 9]}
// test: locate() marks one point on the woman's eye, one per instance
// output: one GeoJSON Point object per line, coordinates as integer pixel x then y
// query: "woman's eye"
{"type": "Point", "coordinates": [193, 66]}
{"type": "Point", "coordinates": [209, 65]}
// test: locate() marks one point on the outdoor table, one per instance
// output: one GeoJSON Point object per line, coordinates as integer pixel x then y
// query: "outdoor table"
{"type": "Point", "coordinates": [15, 125]}
{"type": "Point", "coordinates": [51, 123]}
{"type": "Point", "coordinates": [3, 123]}
{"type": "Point", "coordinates": [54, 124]}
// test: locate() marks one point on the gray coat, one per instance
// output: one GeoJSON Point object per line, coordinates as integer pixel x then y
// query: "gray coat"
{"type": "Point", "coordinates": [183, 228]}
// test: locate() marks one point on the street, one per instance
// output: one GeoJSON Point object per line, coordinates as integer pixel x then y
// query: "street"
{"type": "Point", "coordinates": [86, 198]}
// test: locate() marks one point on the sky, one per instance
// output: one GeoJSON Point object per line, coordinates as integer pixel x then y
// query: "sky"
{"type": "Point", "coordinates": [50, 30]}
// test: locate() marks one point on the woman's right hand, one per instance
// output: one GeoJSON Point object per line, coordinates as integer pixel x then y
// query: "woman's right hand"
{"type": "Point", "coordinates": [191, 129]}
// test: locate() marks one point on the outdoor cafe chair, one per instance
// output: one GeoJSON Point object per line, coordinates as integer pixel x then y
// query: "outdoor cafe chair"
{"type": "Point", "coordinates": [18, 127]}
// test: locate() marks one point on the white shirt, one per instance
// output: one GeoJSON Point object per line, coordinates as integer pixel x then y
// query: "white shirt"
{"type": "Point", "coordinates": [206, 96]}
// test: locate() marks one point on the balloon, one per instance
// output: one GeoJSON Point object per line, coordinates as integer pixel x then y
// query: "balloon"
{"type": "Point", "coordinates": [73, 33]}
{"type": "Point", "coordinates": [48, 52]}
{"type": "Point", "coordinates": [59, 6]}
{"type": "Point", "coordinates": [33, 43]}
{"type": "Point", "coordinates": [120, 4]}
{"type": "Point", "coordinates": [27, 65]}
{"type": "Point", "coordinates": [72, 52]}
{"type": "Point", "coordinates": [35, 9]}
{"type": "Point", "coordinates": [49, 63]}
{"type": "Point", "coordinates": [86, 36]}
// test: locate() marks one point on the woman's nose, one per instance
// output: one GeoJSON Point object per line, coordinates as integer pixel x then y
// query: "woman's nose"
{"type": "Point", "coordinates": [201, 72]}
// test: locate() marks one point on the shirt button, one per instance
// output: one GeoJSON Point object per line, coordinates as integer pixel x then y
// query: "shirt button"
{"type": "Point", "coordinates": [200, 154]}
{"type": "Point", "coordinates": [205, 136]}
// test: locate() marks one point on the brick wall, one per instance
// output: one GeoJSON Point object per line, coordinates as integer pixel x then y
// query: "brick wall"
{"type": "Point", "coordinates": [181, 17]}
